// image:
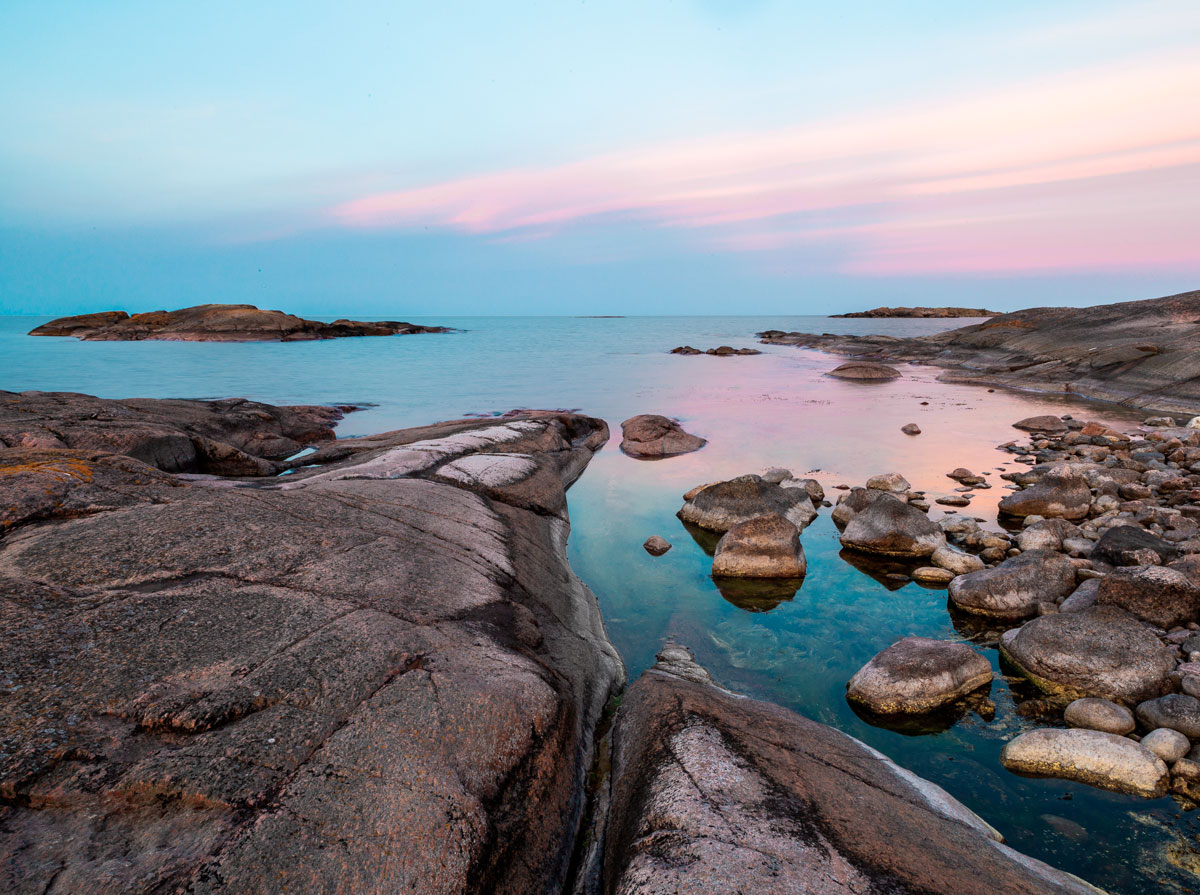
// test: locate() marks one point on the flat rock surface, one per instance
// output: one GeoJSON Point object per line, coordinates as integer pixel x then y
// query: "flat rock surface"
{"type": "Point", "coordinates": [1140, 353]}
{"type": "Point", "coordinates": [1088, 756]}
{"type": "Point", "coordinates": [378, 676]}
{"type": "Point", "coordinates": [218, 323]}
{"type": "Point", "coordinates": [714, 793]}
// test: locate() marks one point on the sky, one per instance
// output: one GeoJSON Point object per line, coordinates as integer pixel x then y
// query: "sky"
{"type": "Point", "coordinates": [599, 157]}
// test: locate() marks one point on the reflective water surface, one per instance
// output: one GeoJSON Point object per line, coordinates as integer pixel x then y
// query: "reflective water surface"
{"type": "Point", "coordinates": [795, 647]}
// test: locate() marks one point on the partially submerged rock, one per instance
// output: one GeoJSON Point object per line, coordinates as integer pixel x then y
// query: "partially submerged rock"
{"type": "Point", "coordinates": [656, 545]}
{"type": "Point", "coordinates": [762, 547]}
{"type": "Point", "coordinates": [918, 674]}
{"type": "Point", "coordinates": [1088, 756]}
{"type": "Point", "coordinates": [713, 793]}
{"type": "Point", "coordinates": [1101, 652]}
{"type": "Point", "coordinates": [1048, 424]}
{"type": "Point", "coordinates": [1060, 493]}
{"type": "Point", "coordinates": [890, 527]}
{"type": "Point", "coordinates": [1014, 588]}
{"type": "Point", "coordinates": [649, 436]}
{"type": "Point", "coordinates": [864, 371]}
{"type": "Point", "coordinates": [722, 505]}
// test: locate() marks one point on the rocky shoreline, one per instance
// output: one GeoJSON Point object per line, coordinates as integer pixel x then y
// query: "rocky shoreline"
{"type": "Point", "coordinates": [378, 673]}
{"type": "Point", "coordinates": [919, 312]}
{"type": "Point", "coordinates": [1141, 354]}
{"type": "Point", "coordinates": [218, 323]}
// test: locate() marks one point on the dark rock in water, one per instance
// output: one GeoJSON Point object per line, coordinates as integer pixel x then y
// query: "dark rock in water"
{"type": "Point", "coordinates": [920, 312]}
{"type": "Point", "coordinates": [892, 528]}
{"type": "Point", "coordinates": [918, 674]}
{"type": "Point", "coordinates": [218, 323]}
{"type": "Point", "coordinates": [864, 371]}
{"type": "Point", "coordinates": [656, 546]}
{"type": "Point", "coordinates": [1013, 589]}
{"type": "Point", "coordinates": [713, 793]}
{"type": "Point", "coordinates": [686, 349]}
{"type": "Point", "coordinates": [1101, 652]}
{"type": "Point", "coordinates": [910, 429]}
{"type": "Point", "coordinates": [762, 547]}
{"type": "Point", "coordinates": [1061, 492]}
{"type": "Point", "coordinates": [649, 436]}
{"type": "Point", "coordinates": [1164, 597]}
{"type": "Point", "coordinates": [1051, 425]}
{"type": "Point", "coordinates": [1121, 545]}
{"type": "Point", "coordinates": [722, 505]}
{"type": "Point", "coordinates": [1175, 711]}
{"type": "Point", "coordinates": [722, 351]}
{"type": "Point", "coordinates": [227, 437]}
{"type": "Point", "coordinates": [379, 675]}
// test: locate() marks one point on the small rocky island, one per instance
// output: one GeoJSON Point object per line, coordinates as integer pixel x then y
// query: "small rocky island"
{"type": "Point", "coordinates": [219, 323]}
{"type": "Point", "coordinates": [920, 312]}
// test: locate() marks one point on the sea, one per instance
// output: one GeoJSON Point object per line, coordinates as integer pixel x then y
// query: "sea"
{"type": "Point", "coordinates": [775, 409]}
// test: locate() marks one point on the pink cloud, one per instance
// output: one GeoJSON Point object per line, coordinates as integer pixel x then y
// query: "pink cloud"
{"type": "Point", "coordinates": [956, 184]}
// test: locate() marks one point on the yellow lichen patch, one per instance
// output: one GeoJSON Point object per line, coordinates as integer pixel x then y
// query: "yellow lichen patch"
{"type": "Point", "coordinates": [61, 468]}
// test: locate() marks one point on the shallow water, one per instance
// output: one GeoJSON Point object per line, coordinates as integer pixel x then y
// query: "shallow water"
{"type": "Point", "coordinates": [776, 409]}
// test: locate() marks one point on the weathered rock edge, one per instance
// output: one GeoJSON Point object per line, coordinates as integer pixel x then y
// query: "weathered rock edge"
{"type": "Point", "coordinates": [376, 676]}
{"type": "Point", "coordinates": [713, 792]}
{"type": "Point", "coordinates": [1138, 353]}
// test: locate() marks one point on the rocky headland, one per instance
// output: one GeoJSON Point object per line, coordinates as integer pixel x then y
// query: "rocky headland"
{"type": "Point", "coordinates": [378, 673]}
{"type": "Point", "coordinates": [218, 323]}
{"type": "Point", "coordinates": [1139, 353]}
{"type": "Point", "coordinates": [919, 312]}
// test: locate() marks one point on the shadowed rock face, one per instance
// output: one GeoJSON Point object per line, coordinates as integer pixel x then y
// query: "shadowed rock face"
{"type": "Point", "coordinates": [227, 437]}
{"type": "Point", "coordinates": [218, 323]}
{"type": "Point", "coordinates": [378, 676]}
{"type": "Point", "coordinates": [1140, 353]}
{"type": "Point", "coordinates": [713, 793]}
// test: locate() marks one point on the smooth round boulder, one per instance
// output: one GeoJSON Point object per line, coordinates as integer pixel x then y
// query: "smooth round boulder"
{"type": "Point", "coordinates": [1105, 715]}
{"type": "Point", "coordinates": [956, 561]}
{"type": "Point", "coordinates": [1088, 756]}
{"type": "Point", "coordinates": [656, 546]}
{"type": "Point", "coordinates": [1169, 745]}
{"type": "Point", "coordinates": [1048, 424]}
{"type": "Point", "coordinates": [864, 371]}
{"type": "Point", "coordinates": [649, 436]}
{"type": "Point", "coordinates": [910, 429]}
{"type": "Point", "coordinates": [1121, 545]}
{"type": "Point", "coordinates": [1014, 588]}
{"type": "Point", "coordinates": [1101, 652]}
{"type": "Point", "coordinates": [889, 481]}
{"type": "Point", "coordinates": [1060, 493]}
{"type": "Point", "coordinates": [776, 474]}
{"type": "Point", "coordinates": [720, 506]}
{"type": "Point", "coordinates": [1176, 711]}
{"type": "Point", "coordinates": [764, 547]}
{"type": "Point", "coordinates": [932, 575]}
{"type": "Point", "coordinates": [890, 527]}
{"type": "Point", "coordinates": [917, 675]}
{"type": "Point", "coordinates": [1161, 596]}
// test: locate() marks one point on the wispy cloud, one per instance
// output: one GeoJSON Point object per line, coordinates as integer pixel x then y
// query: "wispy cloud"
{"type": "Point", "coordinates": [1071, 171]}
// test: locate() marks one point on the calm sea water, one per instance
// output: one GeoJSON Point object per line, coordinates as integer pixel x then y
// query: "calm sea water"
{"type": "Point", "coordinates": [776, 409]}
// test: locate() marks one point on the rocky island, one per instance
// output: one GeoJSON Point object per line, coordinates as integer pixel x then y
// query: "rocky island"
{"type": "Point", "coordinates": [218, 323]}
{"type": "Point", "coordinates": [1139, 353]}
{"type": "Point", "coordinates": [378, 673]}
{"type": "Point", "coordinates": [919, 312]}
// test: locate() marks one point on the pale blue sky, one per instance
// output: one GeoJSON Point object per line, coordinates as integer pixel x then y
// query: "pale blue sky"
{"type": "Point", "coordinates": [519, 157]}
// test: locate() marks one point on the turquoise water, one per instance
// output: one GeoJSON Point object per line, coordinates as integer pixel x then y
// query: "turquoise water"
{"type": "Point", "coordinates": [776, 409]}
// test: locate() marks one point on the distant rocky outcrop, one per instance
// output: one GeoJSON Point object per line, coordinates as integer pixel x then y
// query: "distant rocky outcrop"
{"type": "Point", "coordinates": [921, 312]}
{"type": "Point", "coordinates": [721, 351]}
{"type": "Point", "coordinates": [1139, 353]}
{"type": "Point", "coordinates": [218, 323]}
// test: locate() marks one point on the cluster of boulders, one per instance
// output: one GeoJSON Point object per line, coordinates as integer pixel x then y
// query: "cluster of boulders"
{"type": "Point", "coordinates": [759, 519]}
{"type": "Point", "coordinates": [1098, 588]}
{"type": "Point", "coordinates": [720, 351]}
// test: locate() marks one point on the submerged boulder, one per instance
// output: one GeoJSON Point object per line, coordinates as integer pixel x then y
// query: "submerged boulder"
{"type": "Point", "coordinates": [1061, 492]}
{"type": "Point", "coordinates": [918, 674]}
{"type": "Point", "coordinates": [1013, 589]}
{"type": "Point", "coordinates": [890, 527]}
{"type": "Point", "coordinates": [649, 436]}
{"type": "Point", "coordinates": [763, 547]}
{"type": "Point", "coordinates": [722, 505]}
{"type": "Point", "coordinates": [1088, 756]}
{"type": "Point", "coordinates": [1101, 652]}
{"type": "Point", "coordinates": [1164, 597]}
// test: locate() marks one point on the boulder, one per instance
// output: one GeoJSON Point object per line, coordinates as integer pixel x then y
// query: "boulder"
{"type": "Point", "coordinates": [1061, 492]}
{"type": "Point", "coordinates": [892, 482]}
{"type": "Point", "coordinates": [852, 502]}
{"type": "Point", "coordinates": [1083, 597]}
{"type": "Point", "coordinates": [1046, 534]}
{"type": "Point", "coordinates": [1123, 545]}
{"type": "Point", "coordinates": [964, 476]}
{"type": "Point", "coordinates": [890, 527]}
{"type": "Point", "coordinates": [1175, 711]}
{"type": "Point", "coordinates": [811, 486]}
{"type": "Point", "coordinates": [713, 793]}
{"type": "Point", "coordinates": [1164, 597]}
{"type": "Point", "coordinates": [916, 675]}
{"type": "Point", "coordinates": [864, 371]}
{"type": "Point", "coordinates": [955, 561]}
{"type": "Point", "coordinates": [656, 545]}
{"type": "Point", "coordinates": [1088, 756]}
{"type": "Point", "coordinates": [649, 436]}
{"type": "Point", "coordinates": [1169, 745]}
{"type": "Point", "coordinates": [1100, 714]}
{"type": "Point", "coordinates": [720, 506]}
{"type": "Point", "coordinates": [763, 547]}
{"type": "Point", "coordinates": [910, 429]}
{"type": "Point", "coordinates": [1013, 589]}
{"type": "Point", "coordinates": [1101, 652]}
{"type": "Point", "coordinates": [1050, 425]}
{"type": "Point", "coordinates": [932, 575]}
